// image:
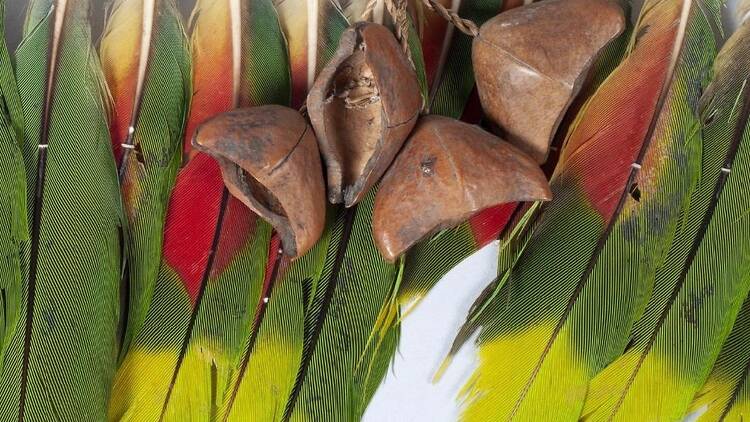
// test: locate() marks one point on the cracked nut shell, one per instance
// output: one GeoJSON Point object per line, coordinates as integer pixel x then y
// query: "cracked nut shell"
{"type": "Point", "coordinates": [447, 172]}
{"type": "Point", "coordinates": [270, 161]}
{"type": "Point", "coordinates": [530, 63]}
{"type": "Point", "coordinates": [363, 105]}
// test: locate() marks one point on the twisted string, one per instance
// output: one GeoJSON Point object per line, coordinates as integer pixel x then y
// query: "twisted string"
{"type": "Point", "coordinates": [399, 13]}
{"type": "Point", "coordinates": [466, 26]}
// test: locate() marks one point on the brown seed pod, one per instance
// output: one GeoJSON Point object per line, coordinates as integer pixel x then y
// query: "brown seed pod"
{"type": "Point", "coordinates": [270, 161]}
{"type": "Point", "coordinates": [363, 106]}
{"type": "Point", "coordinates": [530, 63]}
{"type": "Point", "coordinates": [447, 172]}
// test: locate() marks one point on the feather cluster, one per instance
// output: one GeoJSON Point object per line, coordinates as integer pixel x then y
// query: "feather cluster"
{"type": "Point", "coordinates": [158, 261]}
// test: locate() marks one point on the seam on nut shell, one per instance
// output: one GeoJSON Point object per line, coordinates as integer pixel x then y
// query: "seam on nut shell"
{"type": "Point", "coordinates": [522, 62]}
{"type": "Point", "coordinates": [405, 122]}
{"type": "Point", "coordinates": [289, 154]}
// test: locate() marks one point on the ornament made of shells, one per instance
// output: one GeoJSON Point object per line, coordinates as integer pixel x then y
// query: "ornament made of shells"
{"type": "Point", "coordinates": [364, 106]}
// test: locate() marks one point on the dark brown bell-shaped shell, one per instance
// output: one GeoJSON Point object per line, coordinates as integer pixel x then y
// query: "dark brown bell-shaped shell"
{"type": "Point", "coordinates": [447, 172]}
{"type": "Point", "coordinates": [530, 63]}
{"type": "Point", "coordinates": [363, 106]}
{"type": "Point", "coordinates": [270, 161]}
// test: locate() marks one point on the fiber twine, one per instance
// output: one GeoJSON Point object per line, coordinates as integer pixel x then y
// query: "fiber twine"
{"type": "Point", "coordinates": [399, 13]}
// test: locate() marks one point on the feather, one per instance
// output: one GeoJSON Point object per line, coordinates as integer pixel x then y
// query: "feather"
{"type": "Point", "coordinates": [742, 12]}
{"type": "Point", "coordinates": [12, 198]}
{"type": "Point", "coordinates": [215, 249]}
{"type": "Point", "coordinates": [263, 380]}
{"type": "Point", "coordinates": [146, 62]}
{"type": "Point", "coordinates": [698, 290]}
{"type": "Point", "coordinates": [348, 284]}
{"type": "Point", "coordinates": [353, 9]}
{"type": "Point", "coordinates": [343, 276]}
{"type": "Point", "coordinates": [724, 396]}
{"type": "Point", "coordinates": [264, 377]}
{"type": "Point", "coordinates": [416, 56]}
{"type": "Point", "coordinates": [453, 81]}
{"type": "Point", "coordinates": [312, 29]}
{"type": "Point", "coordinates": [224, 65]}
{"type": "Point", "coordinates": [431, 259]}
{"type": "Point", "coordinates": [11, 99]}
{"type": "Point", "coordinates": [60, 361]}
{"type": "Point", "coordinates": [450, 76]}
{"type": "Point", "coordinates": [518, 227]}
{"type": "Point", "coordinates": [571, 297]}
{"type": "Point", "coordinates": [209, 279]}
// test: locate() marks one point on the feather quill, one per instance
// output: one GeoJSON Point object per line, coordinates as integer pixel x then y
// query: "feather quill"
{"type": "Point", "coordinates": [215, 250]}
{"type": "Point", "coordinates": [72, 260]}
{"type": "Point", "coordinates": [699, 289]}
{"type": "Point", "coordinates": [264, 376]}
{"type": "Point", "coordinates": [435, 33]}
{"type": "Point", "coordinates": [144, 53]}
{"type": "Point", "coordinates": [618, 192]}
{"type": "Point", "coordinates": [312, 29]}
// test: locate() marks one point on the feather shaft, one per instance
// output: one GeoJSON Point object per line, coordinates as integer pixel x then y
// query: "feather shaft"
{"type": "Point", "coordinates": [330, 288]}
{"type": "Point", "coordinates": [198, 300]}
{"type": "Point", "coordinates": [261, 308]}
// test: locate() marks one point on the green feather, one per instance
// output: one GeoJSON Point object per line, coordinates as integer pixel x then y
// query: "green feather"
{"type": "Point", "coordinates": [345, 303]}
{"type": "Point", "coordinates": [263, 379]}
{"type": "Point", "coordinates": [726, 393]}
{"type": "Point", "coordinates": [453, 86]}
{"type": "Point", "coordinates": [61, 358]}
{"type": "Point", "coordinates": [185, 362]}
{"type": "Point", "coordinates": [430, 260]}
{"type": "Point", "coordinates": [14, 229]}
{"type": "Point", "coordinates": [157, 112]}
{"type": "Point", "coordinates": [417, 59]}
{"type": "Point", "coordinates": [698, 290]}
{"type": "Point", "coordinates": [332, 24]}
